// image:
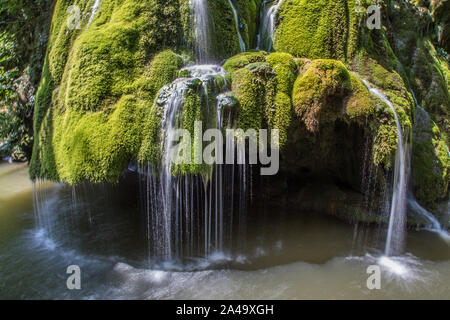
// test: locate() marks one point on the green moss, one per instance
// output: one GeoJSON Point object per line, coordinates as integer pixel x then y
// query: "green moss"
{"type": "Point", "coordinates": [431, 161]}
{"type": "Point", "coordinates": [243, 59]}
{"type": "Point", "coordinates": [94, 107]}
{"type": "Point", "coordinates": [254, 87]}
{"type": "Point", "coordinates": [97, 146]}
{"type": "Point", "coordinates": [360, 103]}
{"type": "Point", "coordinates": [280, 114]}
{"type": "Point", "coordinates": [226, 40]}
{"type": "Point", "coordinates": [327, 91]}
{"type": "Point", "coordinates": [393, 86]}
{"type": "Point", "coordinates": [163, 70]}
{"type": "Point", "coordinates": [193, 110]}
{"type": "Point", "coordinates": [316, 29]}
{"type": "Point", "coordinates": [312, 90]}
{"type": "Point", "coordinates": [284, 66]}
{"type": "Point", "coordinates": [385, 143]}
{"type": "Point", "coordinates": [249, 19]}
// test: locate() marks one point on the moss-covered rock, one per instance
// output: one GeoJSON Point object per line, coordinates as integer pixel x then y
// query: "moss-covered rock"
{"type": "Point", "coordinates": [252, 85]}
{"type": "Point", "coordinates": [98, 86]}
{"type": "Point", "coordinates": [424, 70]}
{"type": "Point", "coordinates": [317, 29]}
{"type": "Point", "coordinates": [431, 161]}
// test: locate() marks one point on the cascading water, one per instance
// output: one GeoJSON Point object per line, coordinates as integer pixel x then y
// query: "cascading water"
{"type": "Point", "coordinates": [94, 10]}
{"type": "Point", "coordinates": [202, 30]}
{"type": "Point", "coordinates": [268, 14]}
{"type": "Point", "coordinates": [193, 215]}
{"type": "Point", "coordinates": [397, 221]}
{"type": "Point", "coordinates": [236, 20]}
{"type": "Point", "coordinates": [432, 224]}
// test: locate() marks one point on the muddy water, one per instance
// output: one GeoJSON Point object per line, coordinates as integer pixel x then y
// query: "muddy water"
{"type": "Point", "coordinates": [292, 256]}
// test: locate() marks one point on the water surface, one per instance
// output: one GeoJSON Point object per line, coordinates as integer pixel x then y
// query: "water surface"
{"type": "Point", "coordinates": [285, 255]}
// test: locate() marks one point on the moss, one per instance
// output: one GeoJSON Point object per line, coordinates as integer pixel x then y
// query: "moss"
{"type": "Point", "coordinates": [393, 86]}
{"type": "Point", "coordinates": [248, 91]}
{"type": "Point", "coordinates": [163, 70]}
{"type": "Point", "coordinates": [284, 66]}
{"type": "Point", "coordinates": [226, 41]}
{"type": "Point", "coordinates": [97, 146]}
{"type": "Point", "coordinates": [312, 90]}
{"type": "Point", "coordinates": [243, 59]}
{"type": "Point", "coordinates": [249, 20]}
{"type": "Point", "coordinates": [360, 103]}
{"type": "Point", "coordinates": [316, 29]}
{"type": "Point", "coordinates": [280, 114]}
{"type": "Point", "coordinates": [94, 107]}
{"type": "Point", "coordinates": [431, 161]}
{"type": "Point", "coordinates": [327, 91]}
{"type": "Point", "coordinates": [413, 39]}
{"type": "Point", "coordinates": [193, 110]}
{"type": "Point", "coordinates": [385, 143]}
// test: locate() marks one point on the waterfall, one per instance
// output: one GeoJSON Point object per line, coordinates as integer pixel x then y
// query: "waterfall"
{"type": "Point", "coordinates": [193, 215]}
{"type": "Point", "coordinates": [433, 224]}
{"type": "Point", "coordinates": [268, 14]}
{"type": "Point", "coordinates": [202, 30]}
{"type": "Point", "coordinates": [397, 221]}
{"type": "Point", "coordinates": [236, 20]}
{"type": "Point", "coordinates": [94, 10]}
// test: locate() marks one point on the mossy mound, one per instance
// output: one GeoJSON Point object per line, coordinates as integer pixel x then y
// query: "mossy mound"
{"type": "Point", "coordinates": [98, 87]}
{"type": "Point", "coordinates": [317, 29]}
{"type": "Point", "coordinates": [263, 84]}
{"type": "Point", "coordinates": [327, 91]}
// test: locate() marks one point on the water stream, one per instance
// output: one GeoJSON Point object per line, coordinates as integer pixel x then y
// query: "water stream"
{"type": "Point", "coordinates": [94, 10]}
{"type": "Point", "coordinates": [236, 20]}
{"type": "Point", "coordinates": [268, 15]}
{"type": "Point", "coordinates": [202, 31]}
{"type": "Point", "coordinates": [194, 214]}
{"type": "Point", "coordinates": [397, 221]}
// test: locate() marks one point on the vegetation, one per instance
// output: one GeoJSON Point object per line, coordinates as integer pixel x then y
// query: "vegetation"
{"type": "Point", "coordinates": [24, 31]}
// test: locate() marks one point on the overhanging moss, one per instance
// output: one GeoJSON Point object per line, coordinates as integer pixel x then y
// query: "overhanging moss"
{"type": "Point", "coordinates": [94, 107]}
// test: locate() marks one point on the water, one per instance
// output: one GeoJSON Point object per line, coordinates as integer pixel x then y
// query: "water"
{"type": "Point", "coordinates": [236, 20]}
{"type": "Point", "coordinates": [94, 10]}
{"type": "Point", "coordinates": [289, 254]}
{"type": "Point", "coordinates": [397, 222]}
{"type": "Point", "coordinates": [202, 31]}
{"type": "Point", "coordinates": [194, 214]}
{"type": "Point", "coordinates": [431, 223]}
{"type": "Point", "coordinates": [268, 15]}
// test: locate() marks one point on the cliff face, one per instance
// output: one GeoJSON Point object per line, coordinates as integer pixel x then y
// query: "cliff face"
{"type": "Point", "coordinates": [96, 109]}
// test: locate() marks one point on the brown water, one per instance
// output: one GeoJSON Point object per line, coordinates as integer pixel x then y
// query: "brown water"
{"type": "Point", "coordinates": [287, 254]}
